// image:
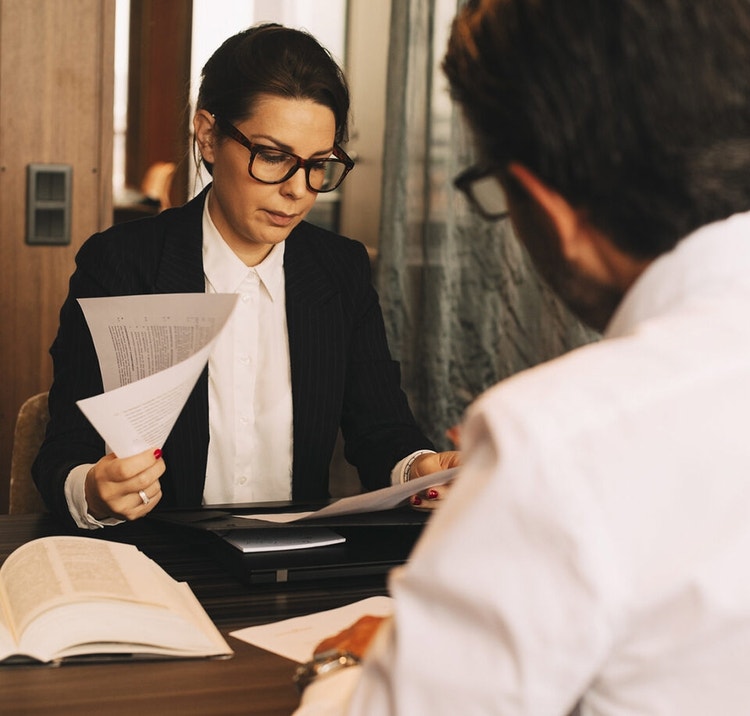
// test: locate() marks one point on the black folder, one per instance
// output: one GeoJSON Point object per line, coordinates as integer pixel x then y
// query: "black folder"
{"type": "Point", "coordinates": [374, 542]}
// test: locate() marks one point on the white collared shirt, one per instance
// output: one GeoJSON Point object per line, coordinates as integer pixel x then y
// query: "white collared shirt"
{"type": "Point", "coordinates": [595, 544]}
{"type": "Point", "coordinates": [249, 380]}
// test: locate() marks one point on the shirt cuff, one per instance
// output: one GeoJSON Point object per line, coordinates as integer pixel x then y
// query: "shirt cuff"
{"type": "Point", "coordinates": [329, 695]}
{"type": "Point", "coordinates": [400, 473]}
{"type": "Point", "coordinates": [75, 496]}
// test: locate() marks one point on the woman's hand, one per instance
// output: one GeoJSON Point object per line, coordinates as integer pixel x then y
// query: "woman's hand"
{"type": "Point", "coordinates": [127, 488]}
{"type": "Point", "coordinates": [427, 464]}
{"type": "Point", "coordinates": [354, 639]}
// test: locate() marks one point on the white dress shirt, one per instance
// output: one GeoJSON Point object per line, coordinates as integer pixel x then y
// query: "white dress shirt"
{"type": "Point", "coordinates": [249, 380]}
{"type": "Point", "coordinates": [596, 544]}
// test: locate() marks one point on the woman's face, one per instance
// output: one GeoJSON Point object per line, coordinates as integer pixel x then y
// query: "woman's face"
{"type": "Point", "coordinates": [251, 216]}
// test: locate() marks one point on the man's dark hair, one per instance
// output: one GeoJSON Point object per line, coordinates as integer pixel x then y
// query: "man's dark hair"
{"type": "Point", "coordinates": [636, 111]}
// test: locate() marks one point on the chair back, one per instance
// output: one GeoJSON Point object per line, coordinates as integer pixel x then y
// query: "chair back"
{"type": "Point", "coordinates": [157, 183]}
{"type": "Point", "coordinates": [31, 424]}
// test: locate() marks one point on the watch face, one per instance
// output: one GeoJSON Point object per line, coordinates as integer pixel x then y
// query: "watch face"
{"type": "Point", "coordinates": [327, 662]}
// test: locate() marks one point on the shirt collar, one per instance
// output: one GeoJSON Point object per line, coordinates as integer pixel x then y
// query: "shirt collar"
{"type": "Point", "coordinates": [712, 260]}
{"type": "Point", "coordinates": [224, 271]}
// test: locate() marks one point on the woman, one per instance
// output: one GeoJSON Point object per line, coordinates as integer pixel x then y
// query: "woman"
{"type": "Point", "coordinates": [304, 353]}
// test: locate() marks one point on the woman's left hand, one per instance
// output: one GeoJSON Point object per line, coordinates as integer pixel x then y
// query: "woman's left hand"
{"type": "Point", "coordinates": [426, 464]}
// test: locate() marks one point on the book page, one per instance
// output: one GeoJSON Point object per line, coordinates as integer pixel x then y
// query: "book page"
{"type": "Point", "coordinates": [151, 351]}
{"type": "Point", "coordinates": [126, 628]}
{"type": "Point", "coordinates": [56, 570]}
{"type": "Point", "coordinates": [7, 636]}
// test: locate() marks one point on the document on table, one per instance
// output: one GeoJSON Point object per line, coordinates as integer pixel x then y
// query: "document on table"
{"type": "Point", "coordinates": [151, 350]}
{"type": "Point", "coordinates": [384, 499]}
{"type": "Point", "coordinates": [297, 638]}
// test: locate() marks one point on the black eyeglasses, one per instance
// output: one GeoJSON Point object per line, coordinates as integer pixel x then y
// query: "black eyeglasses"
{"type": "Point", "coordinates": [275, 166]}
{"type": "Point", "coordinates": [483, 190]}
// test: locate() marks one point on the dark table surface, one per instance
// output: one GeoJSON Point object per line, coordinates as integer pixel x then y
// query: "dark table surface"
{"type": "Point", "coordinates": [254, 681]}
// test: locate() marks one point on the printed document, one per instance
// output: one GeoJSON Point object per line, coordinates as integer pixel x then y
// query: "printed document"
{"type": "Point", "coordinates": [297, 638]}
{"type": "Point", "coordinates": [151, 350]}
{"type": "Point", "coordinates": [384, 499]}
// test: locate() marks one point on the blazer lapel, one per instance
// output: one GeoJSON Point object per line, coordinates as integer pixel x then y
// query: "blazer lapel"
{"type": "Point", "coordinates": [181, 268]}
{"type": "Point", "coordinates": [318, 362]}
{"type": "Point", "coordinates": [181, 271]}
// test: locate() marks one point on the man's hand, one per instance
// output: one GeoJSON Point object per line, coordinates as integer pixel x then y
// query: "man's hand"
{"type": "Point", "coordinates": [355, 639]}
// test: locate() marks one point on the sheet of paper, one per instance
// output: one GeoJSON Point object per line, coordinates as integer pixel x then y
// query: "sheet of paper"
{"type": "Point", "coordinates": [384, 499]}
{"type": "Point", "coordinates": [297, 638]}
{"type": "Point", "coordinates": [151, 351]}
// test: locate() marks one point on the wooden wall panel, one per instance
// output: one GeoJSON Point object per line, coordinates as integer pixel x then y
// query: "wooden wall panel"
{"type": "Point", "coordinates": [56, 93]}
{"type": "Point", "coordinates": [158, 90]}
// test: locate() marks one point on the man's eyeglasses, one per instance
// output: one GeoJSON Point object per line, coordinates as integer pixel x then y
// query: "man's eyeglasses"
{"type": "Point", "coordinates": [274, 166]}
{"type": "Point", "coordinates": [483, 190]}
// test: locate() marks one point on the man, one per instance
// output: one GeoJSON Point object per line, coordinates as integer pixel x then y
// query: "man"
{"type": "Point", "coordinates": [594, 551]}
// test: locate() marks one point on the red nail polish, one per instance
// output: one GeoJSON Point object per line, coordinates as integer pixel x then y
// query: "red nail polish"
{"type": "Point", "coordinates": [416, 500]}
{"type": "Point", "coordinates": [157, 453]}
{"type": "Point", "coordinates": [432, 494]}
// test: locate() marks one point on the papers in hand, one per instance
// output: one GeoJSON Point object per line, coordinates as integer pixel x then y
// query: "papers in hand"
{"type": "Point", "coordinates": [385, 499]}
{"type": "Point", "coordinates": [151, 351]}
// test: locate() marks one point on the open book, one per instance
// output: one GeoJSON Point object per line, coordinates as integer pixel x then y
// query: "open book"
{"type": "Point", "coordinates": [65, 597]}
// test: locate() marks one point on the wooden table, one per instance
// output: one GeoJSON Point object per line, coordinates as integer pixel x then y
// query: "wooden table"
{"type": "Point", "coordinates": [253, 682]}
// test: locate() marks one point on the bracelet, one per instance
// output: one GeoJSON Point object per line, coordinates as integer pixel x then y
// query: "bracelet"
{"type": "Point", "coordinates": [407, 467]}
{"type": "Point", "coordinates": [323, 664]}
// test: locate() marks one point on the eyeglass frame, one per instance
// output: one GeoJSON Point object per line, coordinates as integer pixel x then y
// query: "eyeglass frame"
{"type": "Point", "coordinates": [465, 181]}
{"type": "Point", "coordinates": [340, 156]}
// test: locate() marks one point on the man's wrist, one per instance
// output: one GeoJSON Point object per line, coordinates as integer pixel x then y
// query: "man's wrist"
{"type": "Point", "coordinates": [323, 664]}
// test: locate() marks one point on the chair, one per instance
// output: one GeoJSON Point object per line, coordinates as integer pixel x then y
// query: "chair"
{"type": "Point", "coordinates": [153, 196]}
{"type": "Point", "coordinates": [31, 424]}
{"type": "Point", "coordinates": [157, 183]}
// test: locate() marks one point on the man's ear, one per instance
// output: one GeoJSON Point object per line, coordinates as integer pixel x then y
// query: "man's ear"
{"type": "Point", "coordinates": [203, 128]}
{"type": "Point", "coordinates": [581, 244]}
{"type": "Point", "coordinates": [561, 214]}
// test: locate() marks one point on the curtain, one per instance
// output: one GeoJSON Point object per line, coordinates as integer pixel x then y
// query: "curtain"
{"type": "Point", "coordinates": [463, 306]}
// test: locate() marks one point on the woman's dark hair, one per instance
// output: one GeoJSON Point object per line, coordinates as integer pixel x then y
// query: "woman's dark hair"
{"type": "Point", "coordinates": [636, 111]}
{"type": "Point", "coordinates": [273, 60]}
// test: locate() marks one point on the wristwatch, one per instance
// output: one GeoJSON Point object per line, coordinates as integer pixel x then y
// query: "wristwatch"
{"type": "Point", "coordinates": [323, 664]}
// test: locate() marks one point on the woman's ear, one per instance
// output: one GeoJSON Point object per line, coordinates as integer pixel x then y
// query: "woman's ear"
{"type": "Point", "coordinates": [203, 128]}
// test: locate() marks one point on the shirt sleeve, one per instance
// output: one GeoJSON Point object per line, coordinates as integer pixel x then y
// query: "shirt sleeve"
{"type": "Point", "coordinates": [75, 496]}
{"type": "Point", "coordinates": [329, 696]}
{"type": "Point", "coordinates": [503, 604]}
{"type": "Point", "coordinates": [400, 473]}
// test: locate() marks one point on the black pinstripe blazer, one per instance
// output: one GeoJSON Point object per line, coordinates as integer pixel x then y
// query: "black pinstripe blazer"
{"type": "Point", "coordinates": [341, 369]}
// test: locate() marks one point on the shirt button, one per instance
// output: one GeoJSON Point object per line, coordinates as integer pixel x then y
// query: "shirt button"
{"type": "Point", "coordinates": [245, 297]}
{"type": "Point", "coordinates": [245, 360]}
{"type": "Point", "coordinates": [242, 480]}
